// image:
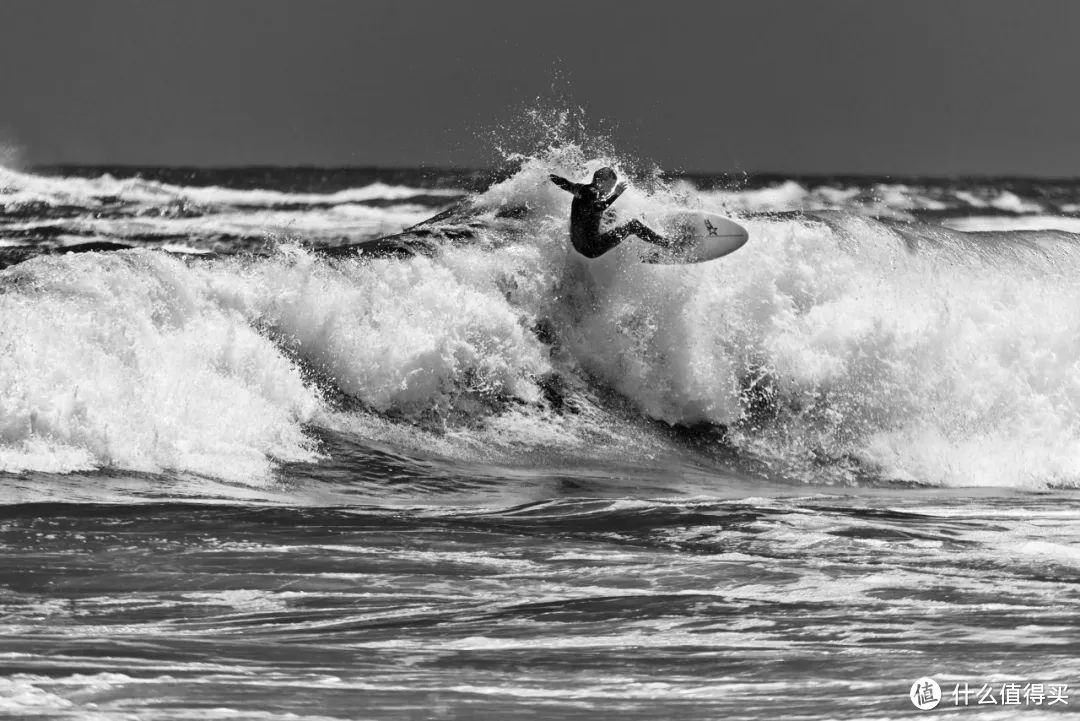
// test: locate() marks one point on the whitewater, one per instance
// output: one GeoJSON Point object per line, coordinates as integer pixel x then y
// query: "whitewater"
{"type": "Point", "coordinates": [255, 465]}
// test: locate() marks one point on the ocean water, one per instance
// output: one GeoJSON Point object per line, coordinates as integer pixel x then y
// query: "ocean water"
{"type": "Point", "coordinates": [252, 468]}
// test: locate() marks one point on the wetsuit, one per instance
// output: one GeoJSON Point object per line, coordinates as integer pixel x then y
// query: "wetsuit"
{"type": "Point", "coordinates": [585, 214]}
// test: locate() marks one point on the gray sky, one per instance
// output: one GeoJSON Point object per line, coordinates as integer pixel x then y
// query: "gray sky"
{"type": "Point", "coordinates": [908, 86]}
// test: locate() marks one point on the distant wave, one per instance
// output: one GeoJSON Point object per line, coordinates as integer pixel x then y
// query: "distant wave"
{"type": "Point", "coordinates": [979, 223]}
{"type": "Point", "coordinates": [884, 200]}
{"type": "Point", "coordinates": [224, 231]}
{"type": "Point", "coordinates": [25, 188]}
{"type": "Point", "coordinates": [46, 211]}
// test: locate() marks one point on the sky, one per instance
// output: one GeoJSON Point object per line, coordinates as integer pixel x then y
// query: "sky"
{"type": "Point", "coordinates": [931, 87]}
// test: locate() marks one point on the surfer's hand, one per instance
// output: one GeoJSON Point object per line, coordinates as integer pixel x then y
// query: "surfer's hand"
{"type": "Point", "coordinates": [564, 183]}
{"type": "Point", "coordinates": [619, 189]}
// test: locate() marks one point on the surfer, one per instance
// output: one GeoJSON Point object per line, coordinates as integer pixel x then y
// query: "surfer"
{"type": "Point", "coordinates": [590, 202]}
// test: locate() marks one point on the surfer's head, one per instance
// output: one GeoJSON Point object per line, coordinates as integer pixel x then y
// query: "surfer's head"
{"type": "Point", "coordinates": [604, 180]}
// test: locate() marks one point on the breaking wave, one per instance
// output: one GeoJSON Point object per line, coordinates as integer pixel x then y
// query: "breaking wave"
{"type": "Point", "coordinates": [837, 346]}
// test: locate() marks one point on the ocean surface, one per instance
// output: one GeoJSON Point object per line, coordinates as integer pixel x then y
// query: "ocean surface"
{"type": "Point", "coordinates": [252, 468]}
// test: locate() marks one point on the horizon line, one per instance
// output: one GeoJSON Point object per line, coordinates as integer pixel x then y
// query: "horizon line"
{"type": "Point", "coordinates": [497, 170]}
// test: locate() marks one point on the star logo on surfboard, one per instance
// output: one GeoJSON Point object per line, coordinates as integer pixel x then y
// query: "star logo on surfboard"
{"type": "Point", "coordinates": [710, 227]}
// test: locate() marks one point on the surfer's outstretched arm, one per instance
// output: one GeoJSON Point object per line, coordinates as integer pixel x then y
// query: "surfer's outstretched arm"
{"type": "Point", "coordinates": [619, 190]}
{"type": "Point", "coordinates": [565, 184]}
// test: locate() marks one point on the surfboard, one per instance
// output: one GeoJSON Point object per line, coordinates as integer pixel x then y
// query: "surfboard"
{"type": "Point", "coordinates": [697, 237]}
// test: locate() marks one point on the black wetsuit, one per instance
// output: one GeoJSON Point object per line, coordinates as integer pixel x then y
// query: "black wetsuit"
{"type": "Point", "coordinates": [585, 214]}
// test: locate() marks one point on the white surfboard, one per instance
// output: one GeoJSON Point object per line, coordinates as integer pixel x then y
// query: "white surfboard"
{"type": "Point", "coordinates": [696, 237]}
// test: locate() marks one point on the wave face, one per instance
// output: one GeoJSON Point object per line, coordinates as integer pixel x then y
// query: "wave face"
{"type": "Point", "coordinates": [856, 338]}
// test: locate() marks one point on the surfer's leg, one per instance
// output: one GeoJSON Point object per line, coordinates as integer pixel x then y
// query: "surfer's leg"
{"type": "Point", "coordinates": [615, 236]}
{"type": "Point", "coordinates": [646, 233]}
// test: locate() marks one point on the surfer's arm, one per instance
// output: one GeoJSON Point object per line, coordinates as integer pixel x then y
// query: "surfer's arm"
{"type": "Point", "coordinates": [619, 190]}
{"type": "Point", "coordinates": [565, 184]}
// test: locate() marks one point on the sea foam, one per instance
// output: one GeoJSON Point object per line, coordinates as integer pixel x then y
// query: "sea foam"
{"type": "Point", "coordinates": [124, 360]}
